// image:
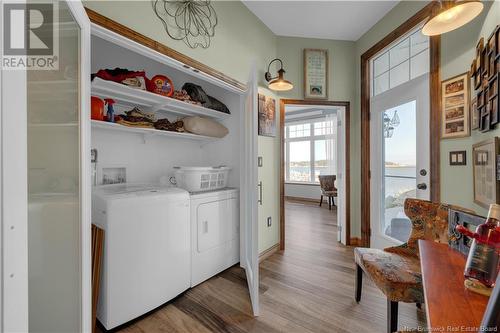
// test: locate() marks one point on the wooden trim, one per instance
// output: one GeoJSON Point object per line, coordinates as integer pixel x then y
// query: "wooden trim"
{"type": "Point", "coordinates": [269, 252]}
{"type": "Point", "coordinates": [309, 200]}
{"type": "Point", "coordinates": [435, 121]}
{"type": "Point", "coordinates": [118, 28]}
{"type": "Point", "coordinates": [355, 241]}
{"type": "Point", "coordinates": [97, 248]}
{"type": "Point", "coordinates": [347, 120]}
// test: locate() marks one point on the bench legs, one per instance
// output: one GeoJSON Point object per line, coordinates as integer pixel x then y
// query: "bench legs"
{"type": "Point", "coordinates": [359, 283]}
{"type": "Point", "coordinates": [392, 316]}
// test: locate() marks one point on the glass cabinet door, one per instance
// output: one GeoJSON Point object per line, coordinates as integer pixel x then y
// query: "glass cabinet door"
{"type": "Point", "coordinates": [54, 137]}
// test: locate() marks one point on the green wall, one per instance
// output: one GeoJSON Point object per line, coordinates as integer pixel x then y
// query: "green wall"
{"type": "Point", "coordinates": [341, 87]}
{"type": "Point", "coordinates": [457, 51]}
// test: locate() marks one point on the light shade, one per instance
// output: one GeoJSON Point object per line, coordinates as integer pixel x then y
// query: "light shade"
{"type": "Point", "coordinates": [453, 15]}
{"type": "Point", "coordinates": [278, 83]}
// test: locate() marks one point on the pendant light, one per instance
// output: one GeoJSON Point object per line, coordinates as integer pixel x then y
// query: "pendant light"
{"type": "Point", "coordinates": [278, 83]}
{"type": "Point", "coordinates": [452, 15]}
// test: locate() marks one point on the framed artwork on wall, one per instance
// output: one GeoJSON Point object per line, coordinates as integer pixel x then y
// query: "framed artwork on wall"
{"type": "Point", "coordinates": [474, 114]}
{"type": "Point", "coordinates": [315, 74]}
{"type": "Point", "coordinates": [267, 116]}
{"type": "Point", "coordinates": [455, 106]}
{"type": "Point", "coordinates": [484, 167]}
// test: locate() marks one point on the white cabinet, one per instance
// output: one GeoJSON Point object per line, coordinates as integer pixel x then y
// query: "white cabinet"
{"type": "Point", "coordinates": [214, 233]}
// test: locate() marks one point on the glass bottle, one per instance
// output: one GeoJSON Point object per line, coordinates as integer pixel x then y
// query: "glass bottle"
{"type": "Point", "coordinates": [483, 260]}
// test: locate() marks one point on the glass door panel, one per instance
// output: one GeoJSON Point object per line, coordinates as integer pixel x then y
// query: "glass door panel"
{"type": "Point", "coordinates": [54, 210]}
{"type": "Point", "coordinates": [399, 165]}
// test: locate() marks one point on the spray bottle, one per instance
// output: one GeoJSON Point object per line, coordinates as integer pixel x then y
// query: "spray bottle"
{"type": "Point", "coordinates": [111, 112]}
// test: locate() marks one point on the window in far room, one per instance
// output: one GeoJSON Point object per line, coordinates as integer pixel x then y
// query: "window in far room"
{"type": "Point", "coordinates": [310, 149]}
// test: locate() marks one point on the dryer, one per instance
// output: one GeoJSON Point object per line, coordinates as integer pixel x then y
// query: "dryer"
{"type": "Point", "coordinates": [215, 235]}
{"type": "Point", "coordinates": [146, 259]}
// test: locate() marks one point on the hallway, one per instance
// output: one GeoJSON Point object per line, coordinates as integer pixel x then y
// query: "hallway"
{"type": "Point", "coordinates": [308, 289]}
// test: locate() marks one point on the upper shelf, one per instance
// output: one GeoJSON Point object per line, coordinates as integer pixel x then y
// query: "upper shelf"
{"type": "Point", "coordinates": [153, 102]}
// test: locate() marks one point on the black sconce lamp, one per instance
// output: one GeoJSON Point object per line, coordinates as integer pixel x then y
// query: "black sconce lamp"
{"type": "Point", "coordinates": [277, 83]}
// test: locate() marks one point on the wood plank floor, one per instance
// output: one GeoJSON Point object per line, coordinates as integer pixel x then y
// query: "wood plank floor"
{"type": "Point", "coordinates": [308, 288]}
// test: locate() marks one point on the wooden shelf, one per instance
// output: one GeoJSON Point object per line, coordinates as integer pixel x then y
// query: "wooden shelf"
{"type": "Point", "coordinates": [97, 124]}
{"type": "Point", "coordinates": [149, 101]}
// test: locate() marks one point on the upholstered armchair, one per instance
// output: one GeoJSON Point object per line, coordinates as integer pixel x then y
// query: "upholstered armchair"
{"type": "Point", "coordinates": [328, 189]}
{"type": "Point", "coordinates": [396, 270]}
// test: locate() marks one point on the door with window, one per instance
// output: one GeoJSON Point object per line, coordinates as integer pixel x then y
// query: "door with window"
{"type": "Point", "coordinates": [400, 156]}
{"type": "Point", "coordinates": [399, 135]}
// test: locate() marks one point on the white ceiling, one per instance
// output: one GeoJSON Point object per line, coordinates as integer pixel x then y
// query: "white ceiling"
{"type": "Point", "coordinates": [340, 20]}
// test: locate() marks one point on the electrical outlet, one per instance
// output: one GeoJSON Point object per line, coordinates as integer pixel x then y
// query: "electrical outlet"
{"type": "Point", "coordinates": [269, 221]}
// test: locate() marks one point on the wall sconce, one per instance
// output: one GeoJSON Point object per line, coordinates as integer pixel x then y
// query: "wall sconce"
{"type": "Point", "coordinates": [277, 83]}
{"type": "Point", "coordinates": [452, 15]}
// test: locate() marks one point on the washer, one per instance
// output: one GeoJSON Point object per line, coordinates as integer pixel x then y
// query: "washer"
{"type": "Point", "coordinates": [215, 235]}
{"type": "Point", "coordinates": [146, 259]}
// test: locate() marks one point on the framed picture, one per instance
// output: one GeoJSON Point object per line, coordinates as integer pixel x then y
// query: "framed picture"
{"type": "Point", "coordinates": [267, 116]}
{"type": "Point", "coordinates": [484, 120]}
{"type": "Point", "coordinates": [484, 166]}
{"type": "Point", "coordinates": [474, 114]}
{"type": "Point", "coordinates": [479, 61]}
{"type": "Point", "coordinates": [494, 119]}
{"type": "Point", "coordinates": [455, 106]}
{"type": "Point", "coordinates": [315, 74]}
{"type": "Point", "coordinates": [458, 157]}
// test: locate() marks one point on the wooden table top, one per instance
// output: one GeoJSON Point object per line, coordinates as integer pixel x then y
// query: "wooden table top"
{"type": "Point", "coordinates": [450, 306]}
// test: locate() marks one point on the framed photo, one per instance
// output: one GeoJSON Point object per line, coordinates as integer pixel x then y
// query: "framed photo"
{"type": "Point", "coordinates": [484, 166]}
{"type": "Point", "coordinates": [494, 118]}
{"type": "Point", "coordinates": [458, 157]}
{"type": "Point", "coordinates": [474, 114]}
{"type": "Point", "coordinates": [267, 116]}
{"type": "Point", "coordinates": [484, 120]}
{"type": "Point", "coordinates": [315, 74]}
{"type": "Point", "coordinates": [455, 106]}
{"type": "Point", "coordinates": [479, 60]}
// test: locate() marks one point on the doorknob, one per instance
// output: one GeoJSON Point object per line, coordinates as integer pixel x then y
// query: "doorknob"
{"type": "Point", "coordinates": [423, 172]}
{"type": "Point", "coordinates": [422, 186]}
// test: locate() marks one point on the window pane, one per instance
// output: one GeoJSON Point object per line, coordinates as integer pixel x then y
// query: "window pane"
{"type": "Point", "coordinates": [381, 84]}
{"type": "Point", "coordinates": [399, 156]}
{"type": "Point", "coordinates": [399, 74]}
{"type": "Point", "coordinates": [400, 52]}
{"type": "Point", "coordinates": [418, 43]}
{"type": "Point", "coordinates": [381, 64]}
{"type": "Point", "coordinates": [300, 161]}
{"type": "Point", "coordinates": [325, 152]}
{"type": "Point", "coordinates": [419, 64]}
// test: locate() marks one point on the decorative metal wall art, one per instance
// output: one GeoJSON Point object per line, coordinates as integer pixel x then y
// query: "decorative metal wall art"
{"type": "Point", "coordinates": [192, 21]}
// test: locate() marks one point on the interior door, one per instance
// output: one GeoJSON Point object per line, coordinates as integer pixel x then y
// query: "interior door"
{"type": "Point", "coordinates": [249, 256]}
{"type": "Point", "coordinates": [45, 171]}
{"type": "Point", "coordinates": [340, 182]}
{"type": "Point", "coordinates": [399, 158]}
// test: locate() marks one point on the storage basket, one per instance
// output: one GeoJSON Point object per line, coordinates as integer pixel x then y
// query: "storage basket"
{"type": "Point", "coordinates": [198, 179]}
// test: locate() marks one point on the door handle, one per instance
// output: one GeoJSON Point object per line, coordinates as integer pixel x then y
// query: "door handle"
{"type": "Point", "coordinates": [422, 186]}
{"type": "Point", "coordinates": [260, 193]}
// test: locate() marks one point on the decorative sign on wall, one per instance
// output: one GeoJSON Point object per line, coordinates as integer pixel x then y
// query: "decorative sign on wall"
{"type": "Point", "coordinates": [315, 74]}
{"type": "Point", "coordinates": [191, 21]}
{"type": "Point", "coordinates": [455, 106]}
{"type": "Point", "coordinates": [267, 116]}
{"type": "Point", "coordinates": [484, 161]}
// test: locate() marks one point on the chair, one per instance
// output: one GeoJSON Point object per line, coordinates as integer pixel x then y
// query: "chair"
{"type": "Point", "coordinates": [328, 189]}
{"type": "Point", "coordinates": [396, 270]}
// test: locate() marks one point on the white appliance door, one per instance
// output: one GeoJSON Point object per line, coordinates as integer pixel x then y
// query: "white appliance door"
{"type": "Point", "coordinates": [399, 159]}
{"type": "Point", "coordinates": [249, 256]}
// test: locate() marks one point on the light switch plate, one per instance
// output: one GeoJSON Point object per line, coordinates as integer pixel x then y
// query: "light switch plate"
{"type": "Point", "coordinates": [260, 163]}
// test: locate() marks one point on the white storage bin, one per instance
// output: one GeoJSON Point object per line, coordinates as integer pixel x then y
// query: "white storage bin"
{"type": "Point", "coordinates": [198, 179]}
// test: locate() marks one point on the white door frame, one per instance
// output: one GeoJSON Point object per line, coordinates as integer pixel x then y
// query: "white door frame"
{"type": "Point", "coordinates": [416, 89]}
{"type": "Point", "coordinates": [14, 188]}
